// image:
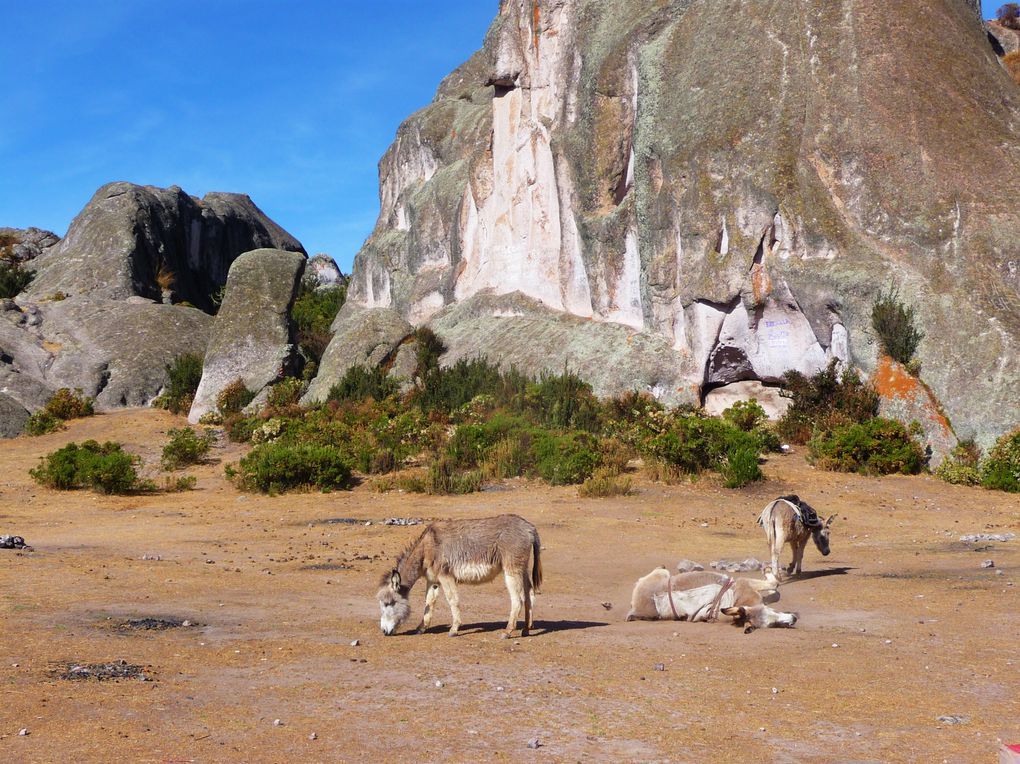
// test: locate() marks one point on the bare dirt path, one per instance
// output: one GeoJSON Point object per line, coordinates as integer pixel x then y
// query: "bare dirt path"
{"type": "Point", "coordinates": [900, 625]}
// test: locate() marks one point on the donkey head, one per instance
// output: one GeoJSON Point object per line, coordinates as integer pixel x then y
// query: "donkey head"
{"type": "Point", "coordinates": [821, 536]}
{"type": "Point", "coordinates": [393, 603]}
{"type": "Point", "coordinates": [759, 617]}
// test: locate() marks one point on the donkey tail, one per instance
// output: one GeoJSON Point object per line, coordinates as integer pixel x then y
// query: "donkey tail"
{"type": "Point", "coordinates": [536, 566]}
{"type": "Point", "coordinates": [765, 521]}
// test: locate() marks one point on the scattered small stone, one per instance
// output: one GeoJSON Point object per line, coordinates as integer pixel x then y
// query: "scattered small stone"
{"type": "Point", "coordinates": [688, 566]}
{"type": "Point", "coordinates": [403, 521]}
{"type": "Point", "coordinates": [659, 667]}
{"type": "Point", "coordinates": [151, 557]}
{"type": "Point", "coordinates": [534, 743]}
{"type": "Point", "coordinates": [953, 719]}
{"type": "Point", "coordinates": [439, 684]}
{"type": "Point", "coordinates": [12, 542]}
{"type": "Point", "coordinates": [999, 572]}
{"type": "Point", "coordinates": [988, 564]}
{"type": "Point", "coordinates": [888, 641]}
{"type": "Point", "coordinates": [23, 732]}
{"type": "Point", "coordinates": [761, 729]}
{"type": "Point", "coordinates": [277, 723]}
{"type": "Point", "coordinates": [835, 644]}
{"type": "Point", "coordinates": [185, 624]}
{"type": "Point", "coordinates": [607, 605]}
{"type": "Point", "coordinates": [988, 537]}
{"type": "Point", "coordinates": [739, 566]}
{"type": "Point", "coordinates": [313, 736]}
{"type": "Point", "coordinates": [704, 525]}
{"type": "Point", "coordinates": [775, 690]}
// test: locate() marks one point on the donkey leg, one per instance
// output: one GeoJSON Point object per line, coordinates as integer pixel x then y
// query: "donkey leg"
{"type": "Point", "coordinates": [430, 599]}
{"type": "Point", "coordinates": [515, 587]}
{"type": "Point", "coordinates": [450, 590]}
{"type": "Point", "coordinates": [778, 542]}
{"type": "Point", "coordinates": [798, 555]}
{"type": "Point", "coordinates": [529, 605]}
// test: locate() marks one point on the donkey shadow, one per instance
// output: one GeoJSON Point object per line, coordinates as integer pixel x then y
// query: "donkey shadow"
{"type": "Point", "coordinates": [538, 628]}
{"type": "Point", "coordinates": [840, 571]}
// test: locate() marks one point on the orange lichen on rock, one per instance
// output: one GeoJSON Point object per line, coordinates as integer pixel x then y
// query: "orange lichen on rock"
{"type": "Point", "coordinates": [761, 283]}
{"type": "Point", "coordinates": [892, 380]}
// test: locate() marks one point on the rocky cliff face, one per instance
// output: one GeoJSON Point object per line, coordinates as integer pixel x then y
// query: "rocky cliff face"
{"type": "Point", "coordinates": [709, 193]}
{"type": "Point", "coordinates": [157, 243]}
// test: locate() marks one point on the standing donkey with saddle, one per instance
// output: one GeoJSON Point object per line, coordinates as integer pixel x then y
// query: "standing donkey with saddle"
{"type": "Point", "coordinates": [465, 552]}
{"type": "Point", "coordinates": [791, 520]}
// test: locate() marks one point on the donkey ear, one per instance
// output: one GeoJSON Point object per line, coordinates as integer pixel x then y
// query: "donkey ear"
{"type": "Point", "coordinates": [395, 580]}
{"type": "Point", "coordinates": [828, 523]}
{"type": "Point", "coordinates": [736, 612]}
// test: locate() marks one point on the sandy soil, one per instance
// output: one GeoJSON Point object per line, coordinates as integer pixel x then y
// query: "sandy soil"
{"type": "Point", "coordinates": [900, 625]}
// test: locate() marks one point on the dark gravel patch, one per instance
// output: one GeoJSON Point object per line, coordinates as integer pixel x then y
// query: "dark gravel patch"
{"type": "Point", "coordinates": [103, 672]}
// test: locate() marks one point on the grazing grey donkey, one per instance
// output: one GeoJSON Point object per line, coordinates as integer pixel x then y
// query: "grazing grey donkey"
{"type": "Point", "coordinates": [788, 519]}
{"type": "Point", "coordinates": [464, 552]}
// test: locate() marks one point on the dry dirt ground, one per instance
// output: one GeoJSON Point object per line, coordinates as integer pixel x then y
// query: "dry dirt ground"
{"type": "Point", "coordinates": [900, 625]}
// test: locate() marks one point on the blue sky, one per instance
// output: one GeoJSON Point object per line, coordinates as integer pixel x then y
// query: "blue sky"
{"type": "Point", "coordinates": [291, 102]}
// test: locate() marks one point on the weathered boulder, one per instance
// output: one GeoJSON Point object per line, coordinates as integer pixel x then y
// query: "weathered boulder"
{"type": "Point", "coordinates": [115, 351]}
{"type": "Point", "coordinates": [364, 337]}
{"type": "Point", "coordinates": [731, 190]}
{"type": "Point", "coordinates": [1003, 39]}
{"type": "Point", "coordinates": [907, 399]}
{"type": "Point", "coordinates": [29, 243]}
{"type": "Point", "coordinates": [12, 417]}
{"type": "Point", "coordinates": [718, 399]}
{"type": "Point", "coordinates": [322, 270]}
{"type": "Point", "coordinates": [251, 335]}
{"type": "Point", "coordinates": [157, 243]}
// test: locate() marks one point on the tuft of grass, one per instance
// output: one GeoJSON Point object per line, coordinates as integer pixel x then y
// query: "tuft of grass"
{"type": "Point", "coordinates": [741, 467]}
{"type": "Point", "coordinates": [360, 383]}
{"type": "Point", "coordinates": [233, 398]}
{"type": "Point", "coordinates": [604, 483]}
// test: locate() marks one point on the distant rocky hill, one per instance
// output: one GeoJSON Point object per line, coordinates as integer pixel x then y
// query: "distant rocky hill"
{"type": "Point", "coordinates": [680, 196]}
{"type": "Point", "coordinates": [118, 298]}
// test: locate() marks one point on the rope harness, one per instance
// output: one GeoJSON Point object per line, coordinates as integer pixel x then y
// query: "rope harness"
{"type": "Point", "coordinates": [714, 606]}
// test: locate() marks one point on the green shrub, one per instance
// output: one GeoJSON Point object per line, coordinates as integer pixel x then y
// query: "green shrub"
{"type": "Point", "coordinates": [427, 348]}
{"type": "Point", "coordinates": [1001, 470]}
{"type": "Point", "coordinates": [43, 422]}
{"type": "Point", "coordinates": [958, 474]}
{"type": "Point", "coordinates": [233, 398]}
{"type": "Point", "coordinates": [240, 428]}
{"type": "Point", "coordinates": [825, 401]}
{"type": "Point", "coordinates": [179, 484]}
{"type": "Point", "coordinates": [603, 483]}
{"type": "Point", "coordinates": [565, 459]}
{"type": "Point", "coordinates": [186, 447]}
{"type": "Point", "coordinates": [106, 468]}
{"type": "Point", "coordinates": [13, 279]}
{"type": "Point", "coordinates": [69, 404]}
{"type": "Point", "coordinates": [470, 443]}
{"type": "Point", "coordinates": [313, 313]}
{"type": "Point", "coordinates": [285, 393]}
{"type": "Point", "coordinates": [360, 383]}
{"type": "Point", "coordinates": [563, 401]}
{"type": "Point", "coordinates": [693, 444]}
{"type": "Point", "coordinates": [894, 324]}
{"type": "Point", "coordinates": [183, 376]}
{"type": "Point", "coordinates": [277, 467]}
{"type": "Point", "coordinates": [745, 415]}
{"type": "Point", "coordinates": [509, 457]}
{"type": "Point", "coordinates": [876, 447]}
{"type": "Point", "coordinates": [442, 479]}
{"type": "Point", "coordinates": [448, 389]}
{"type": "Point", "coordinates": [741, 467]}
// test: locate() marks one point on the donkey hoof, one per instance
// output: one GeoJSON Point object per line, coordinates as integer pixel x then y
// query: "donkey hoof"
{"type": "Point", "coordinates": [453, 632]}
{"type": "Point", "coordinates": [524, 632]}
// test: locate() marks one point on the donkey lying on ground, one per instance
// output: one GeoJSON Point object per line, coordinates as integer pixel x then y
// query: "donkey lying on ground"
{"type": "Point", "coordinates": [789, 519]}
{"type": "Point", "coordinates": [465, 552]}
{"type": "Point", "coordinates": [703, 596]}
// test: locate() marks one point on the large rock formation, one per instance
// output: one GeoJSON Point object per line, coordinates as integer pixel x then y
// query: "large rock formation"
{"type": "Point", "coordinates": [157, 243]}
{"type": "Point", "coordinates": [251, 336]}
{"type": "Point", "coordinates": [115, 351]}
{"type": "Point", "coordinates": [714, 192]}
